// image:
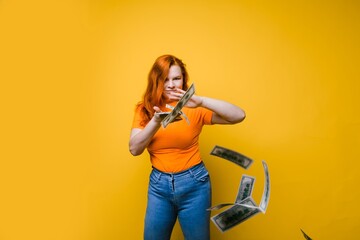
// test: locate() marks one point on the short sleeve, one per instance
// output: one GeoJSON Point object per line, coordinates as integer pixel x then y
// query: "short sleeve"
{"type": "Point", "coordinates": [137, 119]}
{"type": "Point", "coordinates": [207, 116]}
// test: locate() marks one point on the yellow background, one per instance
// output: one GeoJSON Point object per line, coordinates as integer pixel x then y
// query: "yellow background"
{"type": "Point", "coordinates": [72, 71]}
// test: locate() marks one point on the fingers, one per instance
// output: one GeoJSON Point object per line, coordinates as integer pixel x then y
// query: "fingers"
{"type": "Point", "coordinates": [180, 90]}
{"type": "Point", "coordinates": [158, 117]}
{"type": "Point", "coordinates": [178, 93]}
{"type": "Point", "coordinates": [156, 109]}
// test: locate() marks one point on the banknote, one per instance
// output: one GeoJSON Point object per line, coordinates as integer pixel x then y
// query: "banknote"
{"type": "Point", "coordinates": [174, 113]}
{"type": "Point", "coordinates": [222, 205]}
{"type": "Point", "coordinates": [246, 187]}
{"type": "Point", "coordinates": [232, 156]}
{"type": "Point", "coordinates": [181, 113]}
{"type": "Point", "coordinates": [164, 114]}
{"type": "Point", "coordinates": [245, 190]}
{"type": "Point", "coordinates": [235, 215]}
{"type": "Point", "coordinates": [305, 235]}
{"type": "Point", "coordinates": [266, 194]}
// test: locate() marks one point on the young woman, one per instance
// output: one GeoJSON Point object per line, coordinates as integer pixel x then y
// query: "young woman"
{"type": "Point", "coordinates": [179, 185]}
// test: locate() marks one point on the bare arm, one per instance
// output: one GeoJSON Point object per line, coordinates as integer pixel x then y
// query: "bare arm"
{"type": "Point", "coordinates": [140, 138]}
{"type": "Point", "coordinates": [223, 112]}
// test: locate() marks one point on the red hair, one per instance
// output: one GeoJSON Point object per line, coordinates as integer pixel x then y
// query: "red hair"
{"type": "Point", "coordinates": [154, 93]}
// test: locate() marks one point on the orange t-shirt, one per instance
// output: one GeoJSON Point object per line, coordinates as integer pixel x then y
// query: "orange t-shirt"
{"type": "Point", "coordinates": [176, 147]}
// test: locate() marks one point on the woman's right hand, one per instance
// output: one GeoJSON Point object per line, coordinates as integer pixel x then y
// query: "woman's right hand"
{"type": "Point", "coordinates": [160, 115]}
{"type": "Point", "coordinates": [157, 116]}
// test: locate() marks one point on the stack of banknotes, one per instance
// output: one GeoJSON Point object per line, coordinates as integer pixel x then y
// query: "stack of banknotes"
{"type": "Point", "coordinates": [176, 113]}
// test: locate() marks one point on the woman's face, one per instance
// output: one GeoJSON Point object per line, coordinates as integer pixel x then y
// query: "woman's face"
{"type": "Point", "coordinates": [173, 81]}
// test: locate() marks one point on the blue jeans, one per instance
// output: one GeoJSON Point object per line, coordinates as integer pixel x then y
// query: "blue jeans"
{"type": "Point", "coordinates": [186, 196]}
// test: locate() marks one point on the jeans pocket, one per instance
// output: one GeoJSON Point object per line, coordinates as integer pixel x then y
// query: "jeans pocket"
{"type": "Point", "coordinates": [201, 174]}
{"type": "Point", "coordinates": [154, 177]}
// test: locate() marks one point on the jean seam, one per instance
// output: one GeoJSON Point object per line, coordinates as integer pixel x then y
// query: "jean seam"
{"type": "Point", "coordinates": [156, 177]}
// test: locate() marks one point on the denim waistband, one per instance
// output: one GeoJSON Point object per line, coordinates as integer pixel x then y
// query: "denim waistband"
{"type": "Point", "coordinates": [201, 164]}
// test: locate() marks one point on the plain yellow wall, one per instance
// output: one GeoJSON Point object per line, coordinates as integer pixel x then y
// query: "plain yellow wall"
{"type": "Point", "coordinates": [72, 71]}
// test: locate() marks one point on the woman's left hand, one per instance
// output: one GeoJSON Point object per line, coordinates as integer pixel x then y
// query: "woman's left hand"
{"type": "Point", "coordinates": [194, 101]}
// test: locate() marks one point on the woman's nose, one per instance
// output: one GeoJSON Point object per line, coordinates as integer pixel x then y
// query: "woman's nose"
{"type": "Point", "coordinates": [171, 84]}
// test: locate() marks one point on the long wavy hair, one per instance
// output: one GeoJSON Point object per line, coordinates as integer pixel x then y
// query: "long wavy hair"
{"type": "Point", "coordinates": [154, 93]}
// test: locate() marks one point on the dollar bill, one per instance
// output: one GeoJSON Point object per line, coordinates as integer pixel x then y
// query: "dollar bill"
{"type": "Point", "coordinates": [232, 156]}
{"type": "Point", "coordinates": [219, 206]}
{"type": "Point", "coordinates": [266, 194]}
{"type": "Point", "coordinates": [305, 235]}
{"type": "Point", "coordinates": [245, 189]}
{"type": "Point", "coordinates": [235, 215]}
{"type": "Point", "coordinates": [222, 205]}
{"type": "Point", "coordinates": [162, 115]}
{"type": "Point", "coordinates": [175, 112]}
{"type": "Point", "coordinates": [181, 113]}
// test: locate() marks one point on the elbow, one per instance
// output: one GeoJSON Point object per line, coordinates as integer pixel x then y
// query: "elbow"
{"type": "Point", "coordinates": [134, 150]}
{"type": "Point", "coordinates": [243, 116]}
{"type": "Point", "coordinates": [239, 118]}
{"type": "Point", "coordinates": [135, 153]}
